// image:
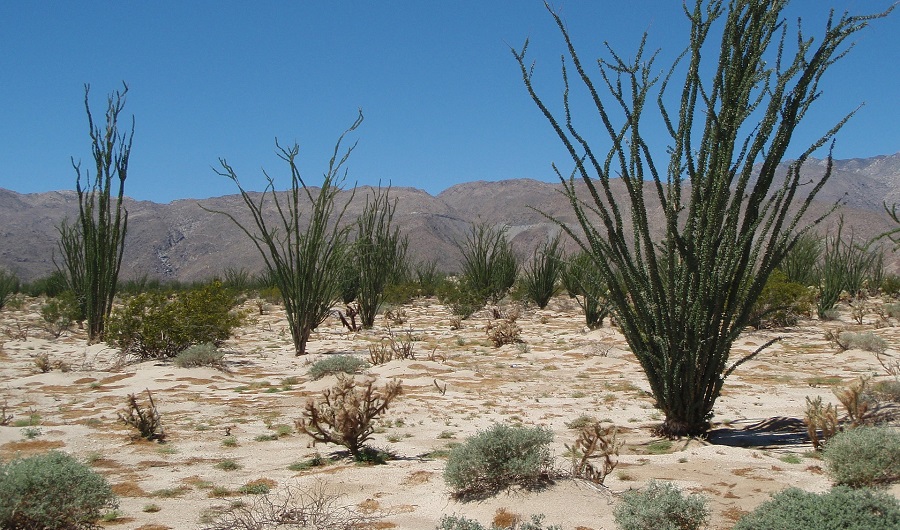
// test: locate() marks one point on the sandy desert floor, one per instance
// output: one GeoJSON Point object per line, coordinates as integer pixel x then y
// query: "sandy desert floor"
{"type": "Point", "coordinates": [457, 385]}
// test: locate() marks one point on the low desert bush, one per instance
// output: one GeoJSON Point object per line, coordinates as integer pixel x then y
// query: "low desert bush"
{"type": "Point", "coordinates": [154, 325]}
{"type": "Point", "coordinates": [337, 364]}
{"type": "Point", "coordinates": [52, 491]}
{"type": "Point", "coordinates": [866, 341]}
{"type": "Point", "coordinates": [497, 458]}
{"type": "Point", "coordinates": [59, 313]}
{"type": "Point", "coordinates": [504, 329]}
{"type": "Point", "coordinates": [864, 457]}
{"type": "Point", "coordinates": [890, 285]}
{"type": "Point", "coordinates": [842, 508]}
{"type": "Point", "coordinates": [457, 522]}
{"type": "Point", "coordinates": [204, 354]}
{"type": "Point", "coordinates": [292, 508]}
{"type": "Point", "coordinates": [781, 303]}
{"type": "Point", "coordinates": [460, 299]}
{"type": "Point", "coordinates": [346, 412]}
{"type": "Point", "coordinates": [661, 506]}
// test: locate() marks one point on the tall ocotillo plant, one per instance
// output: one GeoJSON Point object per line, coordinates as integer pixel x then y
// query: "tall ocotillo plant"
{"type": "Point", "coordinates": [489, 266]}
{"type": "Point", "coordinates": [682, 301]}
{"type": "Point", "coordinates": [92, 247]}
{"type": "Point", "coordinates": [379, 253]}
{"type": "Point", "coordinates": [304, 259]}
{"type": "Point", "coordinates": [542, 274]}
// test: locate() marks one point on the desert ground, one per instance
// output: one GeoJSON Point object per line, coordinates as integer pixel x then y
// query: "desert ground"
{"type": "Point", "coordinates": [458, 384]}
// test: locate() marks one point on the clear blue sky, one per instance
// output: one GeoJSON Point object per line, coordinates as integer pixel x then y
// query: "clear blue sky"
{"type": "Point", "coordinates": [440, 90]}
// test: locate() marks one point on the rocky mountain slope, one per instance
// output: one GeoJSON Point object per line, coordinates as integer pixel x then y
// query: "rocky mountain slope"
{"type": "Point", "coordinates": [183, 240]}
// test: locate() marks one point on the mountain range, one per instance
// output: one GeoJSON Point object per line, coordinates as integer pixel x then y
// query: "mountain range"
{"type": "Point", "coordinates": [183, 240]}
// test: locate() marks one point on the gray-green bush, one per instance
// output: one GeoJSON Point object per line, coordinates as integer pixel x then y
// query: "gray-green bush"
{"type": "Point", "coordinates": [661, 506]}
{"type": "Point", "coordinates": [864, 456]}
{"type": "Point", "coordinates": [497, 458]}
{"type": "Point", "coordinates": [337, 364]}
{"type": "Point", "coordinates": [204, 354]}
{"type": "Point", "coordinates": [866, 341]}
{"type": "Point", "coordinates": [52, 491]}
{"type": "Point", "coordinates": [842, 508]}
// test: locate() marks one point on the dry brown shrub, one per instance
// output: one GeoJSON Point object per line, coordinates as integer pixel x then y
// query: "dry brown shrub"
{"type": "Point", "coordinates": [595, 441]}
{"type": "Point", "coordinates": [857, 402]}
{"type": "Point", "coordinates": [345, 413]}
{"type": "Point", "coordinates": [822, 418]}
{"type": "Point", "coordinates": [503, 518]}
{"type": "Point", "coordinates": [144, 417]}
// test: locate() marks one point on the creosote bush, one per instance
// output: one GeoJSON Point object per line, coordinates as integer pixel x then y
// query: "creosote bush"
{"type": "Point", "coordinates": [345, 413]}
{"type": "Point", "coordinates": [864, 456]}
{"type": "Point", "coordinates": [497, 458]}
{"type": "Point", "coordinates": [781, 303]}
{"type": "Point", "coordinates": [154, 325]}
{"type": "Point", "coordinates": [661, 506]}
{"type": "Point", "coordinates": [842, 508]}
{"type": "Point", "coordinates": [337, 364]}
{"type": "Point", "coordinates": [52, 491]}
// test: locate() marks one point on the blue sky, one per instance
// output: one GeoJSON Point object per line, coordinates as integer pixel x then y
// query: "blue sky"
{"type": "Point", "coordinates": [441, 93]}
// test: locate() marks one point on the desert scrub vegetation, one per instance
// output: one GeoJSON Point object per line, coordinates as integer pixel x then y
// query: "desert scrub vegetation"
{"type": "Point", "coordinates": [52, 491]}
{"type": "Point", "coordinates": [155, 325]}
{"type": "Point", "coordinates": [458, 522]}
{"type": "Point", "coordinates": [345, 414]}
{"type": "Point", "coordinates": [143, 417]}
{"type": "Point", "coordinates": [781, 303]}
{"type": "Point", "coordinates": [489, 267]}
{"type": "Point", "coordinates": [540, 279]}
{"type": "Point", "coordinates": [204, 354]}
{"type": "Point", "coordinates": [337, 364]}
{"type": "Point", "coordinates": [378, 253]}
{"type": "Point", "coordinates": [292, 507]}
{"type": "Point", "coordinates": [682, 299]}
{"type": "Point", "coordinates": [9, 286]}
{"type": "Point", "coordinates": [588, 289]}
{"type": "Point", "coordinates": [92, 246]}
{"type": "Point", "coordinates": [305, 258]}
{"type": "Point", "coordinates": [660, 506]}
{"type": "Point", "coordinates": [596, 442]}
{"type": "Point", "coordinates": [866, 341]}
{"type": "Point", "coordinates": [864, 456]}
{"type": "Point", "coordinates": [841, 508]}
{"type": "Point", "coordinates": [499, 457]}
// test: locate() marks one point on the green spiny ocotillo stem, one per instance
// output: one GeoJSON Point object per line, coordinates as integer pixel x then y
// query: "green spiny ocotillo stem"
{"type": "Point", "coordinates": [682, 300]}
{"type": "Point", "coordinates": [304, 257]}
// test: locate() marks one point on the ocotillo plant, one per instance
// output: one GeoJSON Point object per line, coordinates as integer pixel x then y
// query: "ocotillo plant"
{"type": "Point", "coordinates": [587, 287]}
{"type": "Point", "coordinates": [379, 253]}
{"type": "Point", "coordinates": [681, 301]}
{"type": "Point", "coordinates": [542, 274]}
{"type": "Point", "coordinates": [304, 258]}
{"type": "Point", "coordinates": [489, 266]}
{"type": "Point", "coordinates": [92, 247]}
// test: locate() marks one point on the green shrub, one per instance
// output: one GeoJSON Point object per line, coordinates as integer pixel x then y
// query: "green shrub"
{"type": "Point", "coordinates": [781, 302]}
{"type": "Point", "coordinates": [347, 364]}
{"type": "Point", "coordinates": [52, 491]}
{"type": "Point", "coordinates": [458, 522]}
{"type": "Point", "coordinates": [200, 355]}
{"type": "Point", "coordinates": [892, 310]}
{"type": "Point", "coordinates": [428, 277]}
{"type": "Point", "coordinates": [800, 264]}
{"type": "Point", "coordinates": [51, 285]}
{"type": "Point", "coordinates": [497, 458]}
{"type": "Point", "coordinates": [841, 508]}
{"type": "Point", "coordinates": [459, 298]}
{"type": "Point", "coordinates": [865, 456]}
{"type": "Point", "coordinates": [890, 285]}
{"type": "Point", "coordinates": [9, 285]}
{"type": "Point", "coordinates": [583, 283]}
{"type": "Point", "coordinates": [489, 266]}
{"type": "Point", "coordinates": [59, 313]}
{"type": "Point", "coordinates": [661, 506]}
{"type": "Point", "coordinates": [153, 325]}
